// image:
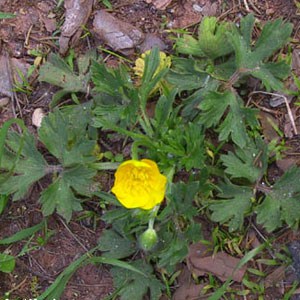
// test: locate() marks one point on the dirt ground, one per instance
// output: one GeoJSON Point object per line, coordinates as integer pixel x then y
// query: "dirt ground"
{"type": "Point", "coordinates": [37, 27]}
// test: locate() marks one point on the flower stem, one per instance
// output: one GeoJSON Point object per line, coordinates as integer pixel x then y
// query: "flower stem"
{"type": "Point", "coordinates": [135, 150]}
{"type": "Point", "coordinates": [152, 217]}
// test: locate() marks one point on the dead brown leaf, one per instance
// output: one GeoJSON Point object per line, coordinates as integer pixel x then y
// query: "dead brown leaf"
{"type": "Point", "coordinates": [186, 16]}
{"type": "Point", "coordinates": [77, 14]}
{"type": "Point", "coordinates": [201, 261]}
{"type": "Point", "coordinates": [253, 240]}
{"type": "Point", "coordinates": [285, 163]}
{"type": "Point", "coordinates": [296, 61]}
{"type": "Point", "coordinates": [117, 34]}
{"type": "Point", "coordinates": [160, 4]}
{"type": "Point", "coordinates": [187, 289]}
{"type": "Point", "coordinates": [268, 123]}
{"type": "Point", "coordinates": [9, 73]}
{"type": "Point", "coordinates": [50, 24]}
{"type": "Point", "coordinates": [290, 125]}
{"type": "Point", "coordinates": [276, 276]}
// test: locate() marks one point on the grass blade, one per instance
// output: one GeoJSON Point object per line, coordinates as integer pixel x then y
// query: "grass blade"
{"type": "Point", "coordinates": [116, 263]}
{"type": "Point", "coordinates": [23, 234]}
{"type": "Point", "coordinates": [5, 15]}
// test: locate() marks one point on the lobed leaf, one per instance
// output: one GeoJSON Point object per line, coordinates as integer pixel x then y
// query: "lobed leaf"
{"type": "Point", "coordinates": [57, 72]}
{"type": "Point", "coordinates": [212, 38]}
{"type": "Point", "coordinates": [250, 162]}
{"type": "Point", "coordinates": [114, 245]}
{"type": "Point", "coordinates": [132, 285]}
{"type": "Point", "coordinates": [282, 203]}
{"type": "Point", "coordinates": [251, 60]}
{"type": "Point", "coordinates": [214, 106]}
{"type": "Point", "coordinates": [66, 138]}
{"type": "Point", "coordinates": [234, 208]}
{"type": "Point", "coordinates": [29, 167]}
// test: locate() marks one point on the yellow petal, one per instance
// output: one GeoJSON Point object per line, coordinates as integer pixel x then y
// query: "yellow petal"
{"type": "Point", "coordinates": [139, 184]}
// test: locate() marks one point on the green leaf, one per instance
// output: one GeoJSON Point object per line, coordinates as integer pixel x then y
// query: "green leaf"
{"type": "Point", "coordinates": [22, 234]}
{"type": "Point", "coordinates": [164, 107]}
{"type": "Point", "coordinates": [134, 286]}
{"type": "Point", "coordinates": [113, 82]}
{"type": "Point", "coordinates": [3, 202]}
{"type": "Point", "coordinates": [59, 196]}
{"type": "Point", "coordinates": [212, 37]}
{"type": "Point", "coordinates": [152, 75]}
{"type": "Point", "coordinates": [250, 162]}
{"type": "Point", "coordinates": [214, 106]}
{"type": "Point", "coordinates": [189, 45]}
{"type": "Point", "coordinates": [57, 72]}
{"type": "Point", "coordinates": [271, 73]}
{"type": "Point", "coordinates": [117, 263]}
{"type": "Point", "coordinates": [114, 245]}
{"type": "Point", "coordinates": [84, 61]}
{"type": "Point", "coordinates": [181, 197]}
{"type": "Point", "coordinates": [247, 25]}
{"type": "Point", "coordinates": [274, 36]}
{"type": "Point", "coordinates": [251, 59]}
{"type": "Point", "coordinates": [188, 74]}
{"type": "Point", "coordinates": [7, 263]}
{"type": "Point", "coordinates": [79, 178]}
{"type": "Point", "coordinates": [282, 203]}
{"type": "Point", "coordinates": [29, 167]}
{"type": "Point", "coordinates": [117, 100]}
{"type": "Point", "coordinates": [3, 133]}
{"type": "Point", "coordinates": [212, 41]}
{"type": "Point", "coordinates": [194, 149]}
{"type": "Point", "coordinates": [174, 253]}
{"type": "Point", "coordinates": [233, 209]}
{"type": "Point", "coordinates": [66, 138]}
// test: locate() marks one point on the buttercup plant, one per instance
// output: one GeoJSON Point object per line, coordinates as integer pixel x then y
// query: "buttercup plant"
{"type": "Point", "coordinates": [194, 97]}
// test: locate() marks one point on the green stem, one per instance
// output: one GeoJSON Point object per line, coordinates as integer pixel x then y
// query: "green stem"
{"type": "Point", "coordinates": [152, 217]}
{"type": "Point", "coordinates": [135, 150]}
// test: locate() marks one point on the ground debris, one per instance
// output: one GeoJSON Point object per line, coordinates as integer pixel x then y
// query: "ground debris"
{"type": "Point", "coordinates": [201, 261]}
{"type": "Point", "coordinates": [5, 77]}
{"type": "Point", "coordinates": [151, 41]}
{"type": "Point", "coordinates": [160, 4]}
{"type": "Point", "coordinates": [294, 248]}
{"type": "Point", "coordinates": [187, 288]}
{"type": "Point", "coordinates": [269, 124]}
{"type": "Point", "coordinates": [10, 70]}
{"type": "Point", "coordinates": [77, 14]}
{"type": "Point", "coordinates": [276, 276]}
{"type": "Point", "coordinates": [37, 117]}
{"type": "Point", "coordinates": [117, 34]}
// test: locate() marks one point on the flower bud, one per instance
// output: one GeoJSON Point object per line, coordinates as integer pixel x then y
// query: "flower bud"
{"type": "Point", "coordinates": [148, 239]}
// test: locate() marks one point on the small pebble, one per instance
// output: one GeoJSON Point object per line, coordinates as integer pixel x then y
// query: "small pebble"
{"type": "Point", "coordinates": [37, 117]}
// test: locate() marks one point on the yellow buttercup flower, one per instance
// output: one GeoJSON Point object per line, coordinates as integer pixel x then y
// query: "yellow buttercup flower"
{"type": "Point", "coordinates": [139, 184]}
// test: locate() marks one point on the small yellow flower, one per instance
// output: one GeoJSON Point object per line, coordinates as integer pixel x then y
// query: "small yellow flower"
{"type": "Point", "coordinates": [139, 184]}
{"type": "Point", "coordinates": [164, 62]}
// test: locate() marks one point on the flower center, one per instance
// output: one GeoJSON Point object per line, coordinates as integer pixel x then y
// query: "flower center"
{"type": "Point", "coordinates": [139, 175]}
